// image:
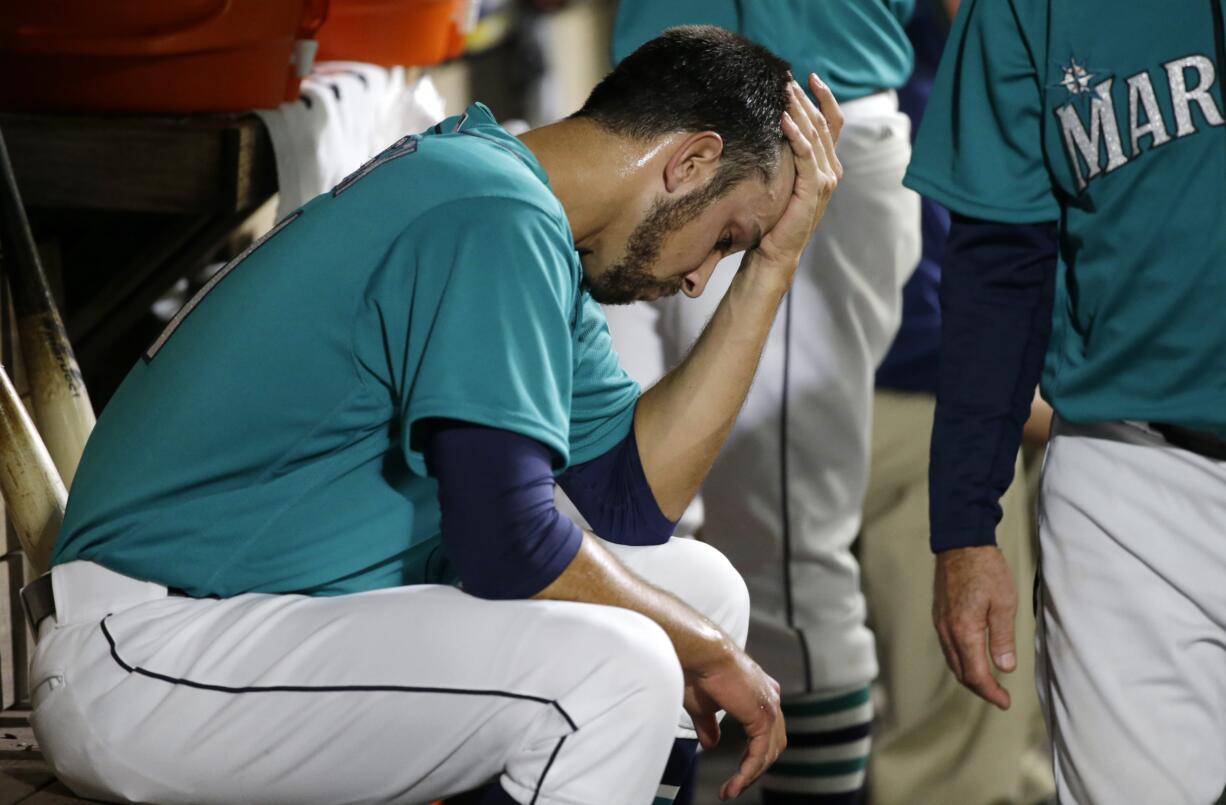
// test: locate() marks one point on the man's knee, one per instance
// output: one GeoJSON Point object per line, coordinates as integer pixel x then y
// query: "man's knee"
{"type": "Point", "coordinates": [718, 590]}
{"type": "Point", "coordinates": [699, 575]}
{"type": "Point", "coordinates": [640, 652]}
{"type": "Point", "coordinates": [629, 664]}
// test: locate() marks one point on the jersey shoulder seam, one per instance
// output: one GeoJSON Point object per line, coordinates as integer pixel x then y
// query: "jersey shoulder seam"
{"type": "Point", "coordinates": [520, 169]}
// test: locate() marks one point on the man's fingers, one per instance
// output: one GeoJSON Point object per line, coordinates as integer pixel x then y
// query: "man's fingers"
{"type": "Point", "coordinates": [828, 105]}
{"type": "Point", "coordinates": [821, 125]}
{"type": "Point", "coordinates": [804, 149]}
{"type": "Point", "coordinates": [806, 165]}
{"type": "Point", "coordinates": [768, 738]}
{"type": "Point", "coordinates": [985, 686]}
{"type": "Point", "coordinates": [796, 137]}
{"type": "Point", "coordinates": [812, 187]}
{"type": "Point", "coordinates": [1000, 636]}
{"type": "Point", "coordinates": [951, 653]}
{"type": "Point", "coordinates": [707, 727]}
{"type": "Point", "coordinates": [977, 675]}
{"type": "Point", "coordinates": [753, 763]}
{"type": "Point", "coordinates": [810, 126]}
{"type": "Point", "coordinates": [974, 604]}
{"type": "Point", "coordinates": [800, 113]}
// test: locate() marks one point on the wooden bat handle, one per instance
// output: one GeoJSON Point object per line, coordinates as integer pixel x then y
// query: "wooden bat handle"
{"type": "Point", "coordinates": [61, 405]}
{"type": "Point", "coordinates": [33, 492]}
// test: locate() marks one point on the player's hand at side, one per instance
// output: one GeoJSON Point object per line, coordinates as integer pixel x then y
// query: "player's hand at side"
{"type": "Point", "coordinates": [974, 604]}
{"type": "Point", "coordinates": [812, 134]}
{"type": "Point", "coordinates": [736, 684]}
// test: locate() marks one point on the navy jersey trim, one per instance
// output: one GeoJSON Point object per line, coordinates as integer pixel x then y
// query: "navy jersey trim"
{"type": "Point", "coordinates": [805, 658]}
{"type": "Point", "coordinates": [403, 147]}
{"type": "Point", "coordinates": [552, 757]}
{"type": "Point", "coordinates": [785, 514]}
{"type": "Point", "coordinates": [174, 680]}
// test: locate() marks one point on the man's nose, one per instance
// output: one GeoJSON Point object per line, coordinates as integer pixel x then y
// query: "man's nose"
{"type": "Point", "coordinates": [695, 282]}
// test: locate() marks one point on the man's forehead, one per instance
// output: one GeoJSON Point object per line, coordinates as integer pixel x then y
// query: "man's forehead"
{"type": "Point", "coordinates": [755, 204]}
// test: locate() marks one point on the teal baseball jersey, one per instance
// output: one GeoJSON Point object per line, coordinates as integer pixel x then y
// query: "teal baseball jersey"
{"type": "Point", "coordinates": [267, 441]}
{"type": "Point", "coordinates": [1108, 118]}
{"type": "Point", "coordinates": [857, 47]}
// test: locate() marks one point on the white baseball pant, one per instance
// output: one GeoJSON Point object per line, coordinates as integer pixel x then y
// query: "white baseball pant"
{"type": "Point", "coordinates": [1132, 622]}
{"type": "Point", "coordinates": [783, 500]}
{"type": "Point", "coordinates": [401, 695]}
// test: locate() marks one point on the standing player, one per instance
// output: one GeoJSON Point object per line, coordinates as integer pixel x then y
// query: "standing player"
{"type": "Point", "coordinates": [1081, 147]}
{"type": "Point", "coordinates": [933, 740]}
{"type": "Point", "coordinates": [783, 501]}
{"type": "Point", "coordinates": [249, 600]}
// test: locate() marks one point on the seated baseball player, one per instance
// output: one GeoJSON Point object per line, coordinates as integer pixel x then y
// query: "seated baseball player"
{"type": "Point", "coordinates": [311, 553]}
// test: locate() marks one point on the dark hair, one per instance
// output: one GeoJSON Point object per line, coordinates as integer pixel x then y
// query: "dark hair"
{"type": "Point", "coordinates": [700, 78]}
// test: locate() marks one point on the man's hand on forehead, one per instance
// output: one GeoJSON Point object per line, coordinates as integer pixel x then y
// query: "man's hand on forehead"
{"type": "Point", "coordinates": [812, 134]}
{"type": "Point", "coordinates": [828, 119]}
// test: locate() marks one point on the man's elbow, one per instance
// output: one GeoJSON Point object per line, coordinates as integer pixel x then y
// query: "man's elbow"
{"type": "Point", "coordinates": [517, 563]}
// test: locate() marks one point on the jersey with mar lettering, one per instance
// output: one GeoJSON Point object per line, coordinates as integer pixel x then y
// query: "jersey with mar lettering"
{"type": "Point", "coordinates": [1107, 117]}
{"type": "Point", "coordinates": [267, 443]}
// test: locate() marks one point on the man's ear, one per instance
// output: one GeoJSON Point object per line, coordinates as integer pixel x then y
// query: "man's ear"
{"type": "Point", "coordinates": [694, 161]}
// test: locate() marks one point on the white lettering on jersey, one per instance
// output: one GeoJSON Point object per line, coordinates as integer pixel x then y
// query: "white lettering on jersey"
{"type": "Point", "coordinates": [1144, 114]}
{"type": "Point", "coordinates": [1141, 98]}
{"type": "Point", "coordinates": [1103, 127]}
{"type": "Point", "coordinates": [1182, 97]}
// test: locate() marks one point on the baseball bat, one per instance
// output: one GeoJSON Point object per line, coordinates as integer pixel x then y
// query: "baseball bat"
{"type": "Point", "coordinates": [34, 494]}
{"type": "Point", "coordinates": [61, 404]}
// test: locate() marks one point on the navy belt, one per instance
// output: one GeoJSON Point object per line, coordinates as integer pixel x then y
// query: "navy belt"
{"type": "Point", "coordinates": [38, 600]}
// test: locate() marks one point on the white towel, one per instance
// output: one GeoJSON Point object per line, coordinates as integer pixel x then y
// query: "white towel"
{"type": "Point", "coordinates": [346, 113]}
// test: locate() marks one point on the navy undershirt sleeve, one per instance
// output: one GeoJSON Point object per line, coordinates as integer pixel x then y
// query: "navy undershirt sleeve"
{"type": "Point", "coordinates": [501, 530]}
{"type": "Point", "coordinates": [997, 286]}
{"type": "Point", "coordinates": [612, 492]}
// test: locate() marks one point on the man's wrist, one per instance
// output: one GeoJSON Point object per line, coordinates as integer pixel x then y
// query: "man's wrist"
{"type": "Point", "coordinates": [768, 276]}
{"type": "Point", "coordinates": [970, 536]}
{"type": "Point", "coordinates": [712, 651]}
{"type": "Point", "coordinates": [954, 554]}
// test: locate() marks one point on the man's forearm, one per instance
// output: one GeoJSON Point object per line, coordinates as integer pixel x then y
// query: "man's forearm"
{"type": "Point", "coordinates": [996, 301]}
{"type": "Point", "coordinates": [682, 422]}
{"type": "Point", "coordinates": [595, 576]}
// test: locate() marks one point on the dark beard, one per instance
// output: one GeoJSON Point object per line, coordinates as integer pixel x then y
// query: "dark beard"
{"type": "Point", "coordinates": [627, 282]}
{"type": "Point", "coordinates": [630, 279]}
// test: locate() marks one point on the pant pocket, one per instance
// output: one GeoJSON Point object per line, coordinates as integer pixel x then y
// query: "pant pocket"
{"type": "Point", "coordinates": [45, 689]}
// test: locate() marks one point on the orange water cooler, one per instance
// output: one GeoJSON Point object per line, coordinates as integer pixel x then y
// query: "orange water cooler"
{"type": "Point", "coordinates": [395, 32]}
{"type": "Point", "coordinates": [153, 55]}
